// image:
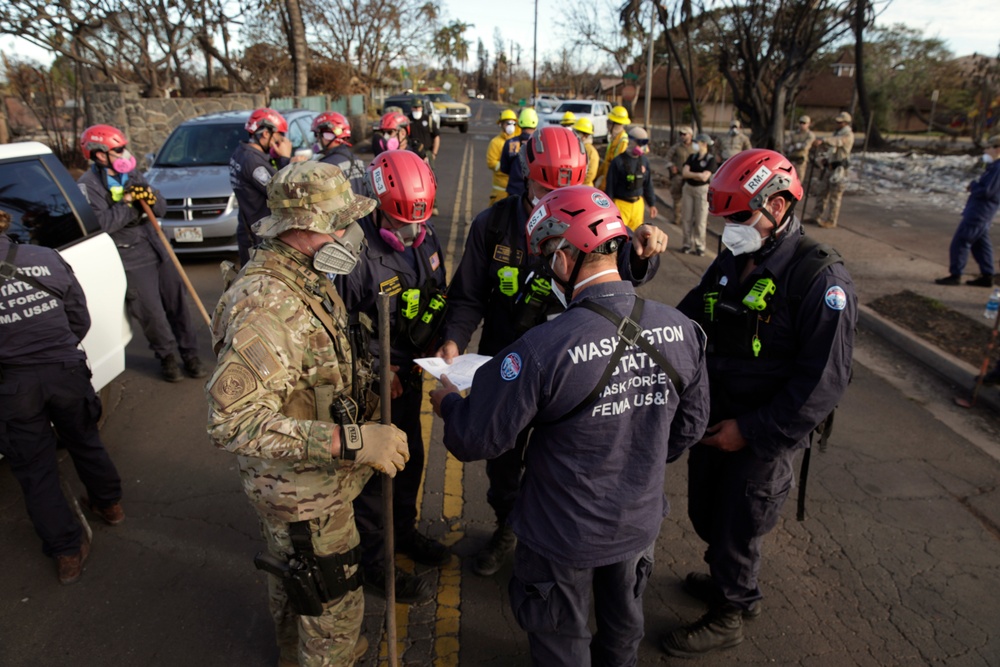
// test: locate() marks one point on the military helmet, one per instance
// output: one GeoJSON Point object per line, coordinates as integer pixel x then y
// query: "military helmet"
{"type": "Point", "coordinates": [314, 196]}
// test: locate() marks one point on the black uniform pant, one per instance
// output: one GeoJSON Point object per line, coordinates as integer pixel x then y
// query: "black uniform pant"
{"type": "Point", "coordinates": [552, 602]}
{"type": "Point", "coordinates": [504, 473]}
{"type": "Point", "coordinates": [155, 298]}
{"type": "Point", "coordinates": [734, 499]}
{"type": "Point", "coordinates": [406, 483]}
{"type": "Point", "coordinates": [33, 400]}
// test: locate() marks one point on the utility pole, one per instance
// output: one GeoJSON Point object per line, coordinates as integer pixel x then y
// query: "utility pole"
{"type": "Point", "coordinates": [534, 60]}
{"type": "Point", "coordinates": [510, 71]}
{"type": "Point", "coordinates": [649, 72]}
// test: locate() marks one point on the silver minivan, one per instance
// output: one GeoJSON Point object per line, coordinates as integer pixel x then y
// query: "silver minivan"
{"type": "Point", "coordinates": [191, 171]}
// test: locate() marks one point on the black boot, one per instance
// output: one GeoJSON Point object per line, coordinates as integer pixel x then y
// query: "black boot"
{"type": "Point", "coordinates": [496, 552]}
{"type": "Point", "coordinates": [169, 369]}
{"type": "Point", "coordinates": [423, 549]}
{"type": "Point", "coordinates": [410, 589]}
{"type": "Point", "coordinates": [194, 367]}
{"type": "Point", "coordinates": [720, 628]}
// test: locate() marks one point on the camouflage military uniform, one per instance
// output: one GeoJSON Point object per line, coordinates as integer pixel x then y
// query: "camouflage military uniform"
{"type": "Point", "coordinates": [797, 150]}
{"type": "Point", "coordinates": [731, 143]}
{"type": "Point", "coordinates": [677, 156]}
{"type": "Point", "coordinates": [832, 180]}
{"type": "Point", "coordinates": [280, 364]}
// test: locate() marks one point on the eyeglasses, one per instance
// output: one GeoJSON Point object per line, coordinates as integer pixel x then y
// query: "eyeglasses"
{"type": "Point", "coordinates": [740, 217]}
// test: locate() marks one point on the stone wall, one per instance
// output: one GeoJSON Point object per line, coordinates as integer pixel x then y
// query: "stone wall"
{"type": "Point", "coordinates": [148, 122]}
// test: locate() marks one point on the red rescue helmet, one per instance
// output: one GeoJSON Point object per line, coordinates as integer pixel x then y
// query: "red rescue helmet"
{"type": "Point", "coordinates": [404, 186]}
{"type": "Point", "coordinates": [266, 119]}
{"type": "Point", "coordinates": [747, 180]}
{"type": "Point", "coordinates": [555, 158]}
{"type": "Point", "coordinates": [394, 120]}
{"type": "Point", "coordinates": [331, 121]}
{"type": "Point", "coordinates": [101, 138]}
{"type": "Point", "coordinates": [584, 216]}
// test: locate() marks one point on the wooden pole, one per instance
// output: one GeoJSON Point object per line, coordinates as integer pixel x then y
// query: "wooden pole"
{"type": "Point", "coordinates": [385, 396]}
{"type": "Point", "coordinates": [177, 263]}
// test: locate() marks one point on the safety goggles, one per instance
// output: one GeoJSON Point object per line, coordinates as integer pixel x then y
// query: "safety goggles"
{"type": "Point", "coordinates": [116, 151]}
{"type": "Point", "coordinates": [740, 217]}
{"type": "Point", "coordinates": [641, 142]}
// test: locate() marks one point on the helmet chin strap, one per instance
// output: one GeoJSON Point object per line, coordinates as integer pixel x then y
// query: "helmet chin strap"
{"type": "Point", "coordinates": [772, 242]}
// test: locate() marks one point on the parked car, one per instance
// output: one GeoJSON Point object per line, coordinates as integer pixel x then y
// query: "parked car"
{"type": "Point", "coordinates": [453, 113]}
{"type": "Point", "coordinates": [191, 171]}
{"type": "Point", "coordinates": [48, 208]}
{"type": "Point", "coordinates": [596, 110]}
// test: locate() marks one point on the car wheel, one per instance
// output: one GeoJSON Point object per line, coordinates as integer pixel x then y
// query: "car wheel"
{"type": "Point", "coordinates": [463, 128]}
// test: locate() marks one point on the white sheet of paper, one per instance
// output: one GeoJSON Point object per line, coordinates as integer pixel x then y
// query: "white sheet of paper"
{"type": "Point", "coordinates": [460, 371]}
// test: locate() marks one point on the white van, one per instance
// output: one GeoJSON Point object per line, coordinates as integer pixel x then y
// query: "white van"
{"type": "Point", "coordinates": [47, 208]}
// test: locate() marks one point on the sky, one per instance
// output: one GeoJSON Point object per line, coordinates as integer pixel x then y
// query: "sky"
{"type": "Point", "coordinates": [972, 29]}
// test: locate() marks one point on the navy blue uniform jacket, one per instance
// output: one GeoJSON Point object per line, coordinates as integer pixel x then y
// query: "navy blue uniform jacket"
{"type": "Point", "coordinates": [41, 326]}
{"type": "Point", "coordinates": [382, 268]}
{"type": "Point", "coordinates": [984, 196]}
{"type": "Point", "coordinates": [474, 293]}
{"type": "Point", "coordinates": [136, 240]}
{"type": "Point", "coordinates": [806, 351]}
{"type": "Point", "coordinates": [592, 492]}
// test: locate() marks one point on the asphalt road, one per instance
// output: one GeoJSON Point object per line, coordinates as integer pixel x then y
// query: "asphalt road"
{"type": "Point", "coordinates": [897, 564]}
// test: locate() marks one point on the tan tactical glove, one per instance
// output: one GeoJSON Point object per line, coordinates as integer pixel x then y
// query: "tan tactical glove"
{"type": "Point", "coordinates": [382, 447]}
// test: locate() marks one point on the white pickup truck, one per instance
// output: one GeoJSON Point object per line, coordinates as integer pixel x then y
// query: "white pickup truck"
{"type": "Point", "coordinates": [47, 208]}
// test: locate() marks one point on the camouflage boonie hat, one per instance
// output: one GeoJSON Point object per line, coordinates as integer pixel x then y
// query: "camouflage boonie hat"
{"type": "Point", "coordinates": [313, 196]}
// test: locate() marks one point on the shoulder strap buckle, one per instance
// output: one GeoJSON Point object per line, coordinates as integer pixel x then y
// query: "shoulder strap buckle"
{"type": "Point", "coordinates": [629, 330]}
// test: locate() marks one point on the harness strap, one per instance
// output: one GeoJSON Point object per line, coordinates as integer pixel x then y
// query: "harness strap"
{"type": "Point", "coordinates": [8, 271]}
{"type": "Point", "coordinates": [629, 333]}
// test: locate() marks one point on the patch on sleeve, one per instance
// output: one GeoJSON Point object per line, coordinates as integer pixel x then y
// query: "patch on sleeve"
{"type": "Point", "coordinates": [262, 175]}
{"type": "Point", "coordinates": [836, 298]}
{"type": "Point", "coordinates": [435, 261]}
{"type": "Point", "coordinates": [234, 383]}
{"type": "Point", "coordinates": [257, 355]}
{"type": "Point", "coordinates": [511, 367]}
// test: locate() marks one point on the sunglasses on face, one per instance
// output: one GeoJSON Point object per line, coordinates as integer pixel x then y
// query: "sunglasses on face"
{"type": "Point", "coordinates": [641, 142]}
{"type": "Point", "coordinates": [740, 217]}
{"type": "Point", "coordinates": [117, 151]}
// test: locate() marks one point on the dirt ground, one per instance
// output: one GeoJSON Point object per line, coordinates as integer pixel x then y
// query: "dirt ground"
{"type": "Point", "coordinates": [951, 331]}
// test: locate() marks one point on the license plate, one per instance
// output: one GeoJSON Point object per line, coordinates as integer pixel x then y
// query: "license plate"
{"type": "Point", "coordinates": [188, 235]}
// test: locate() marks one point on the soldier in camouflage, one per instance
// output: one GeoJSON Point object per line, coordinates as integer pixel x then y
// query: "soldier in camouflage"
{"type": "Point", "coordinates": [834, 160]}
{"type": "Point", "coordinates": [677, 156]}
{"type": "Point", "coordinates": [731, 143]}
{"type": "Point", "coordinates": [279, 393]}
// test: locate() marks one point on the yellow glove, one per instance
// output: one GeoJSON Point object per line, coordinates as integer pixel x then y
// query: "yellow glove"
{"type": "Point", "coordinates": [142, 193]}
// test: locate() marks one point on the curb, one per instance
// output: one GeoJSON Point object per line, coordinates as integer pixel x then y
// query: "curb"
{"type": "Point", "coordinates": [944, 364]}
